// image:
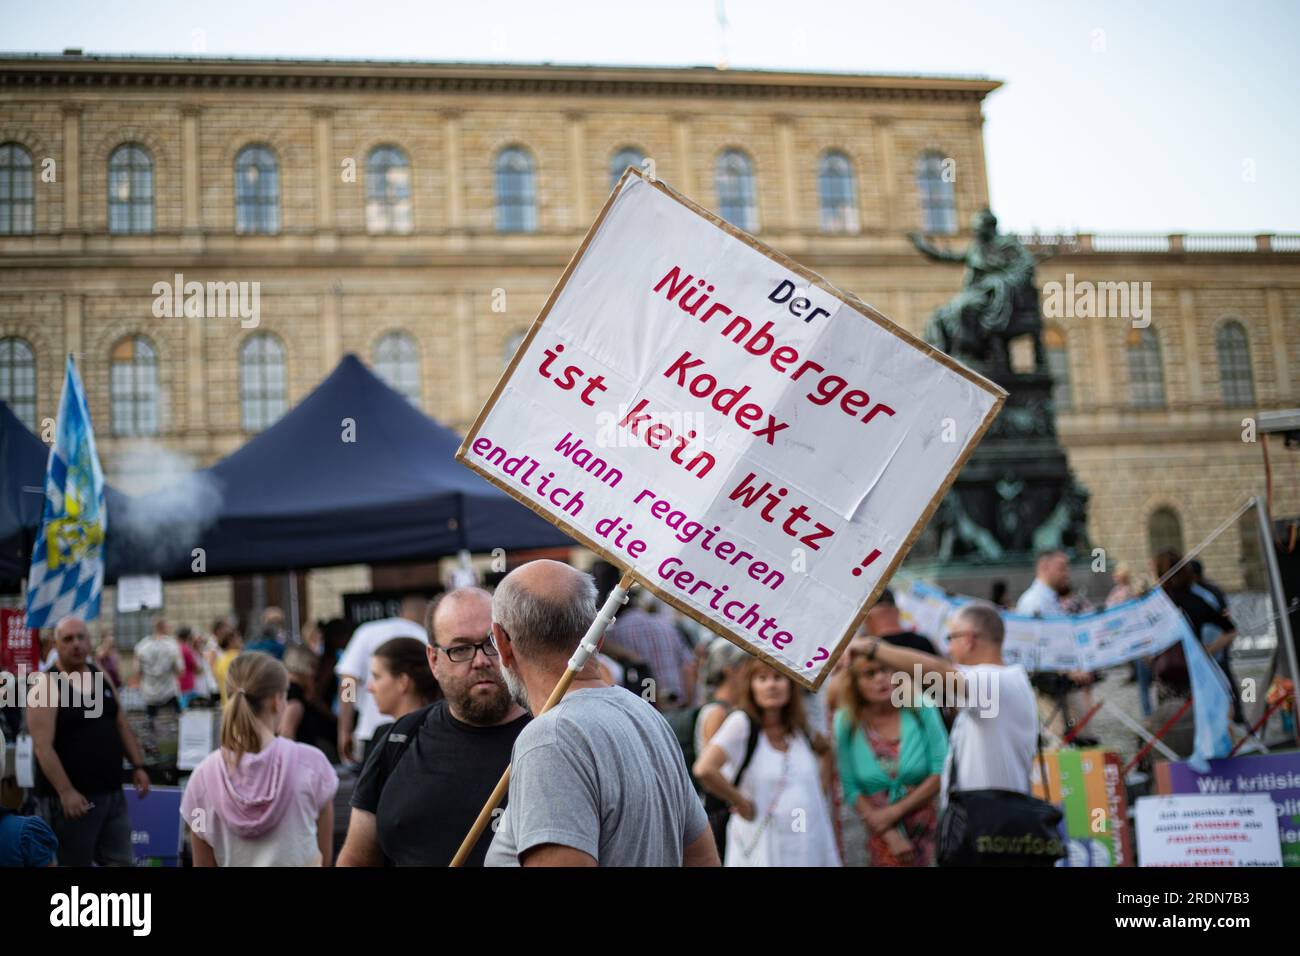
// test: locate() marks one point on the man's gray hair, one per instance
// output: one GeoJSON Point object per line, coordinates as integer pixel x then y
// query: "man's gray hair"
{"type": "Point", "coordinates": [545, 625]}
{"type": "Point", "coordinates": [984, 620]}
{"type": "Point", "coordinates": [722, 655]}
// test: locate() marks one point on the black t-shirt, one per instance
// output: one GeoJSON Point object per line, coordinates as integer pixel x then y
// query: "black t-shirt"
{"type": "Point", "coordinates": [1199, 612]}
{"type": "Point", "coordinates": [1170, 665]}
{"type": "Point", "coordinates": [87, 741]}
{"type": "Point", "coordinates": [434, 794]}
{"type": "Point", "coordinates": [911, 640]}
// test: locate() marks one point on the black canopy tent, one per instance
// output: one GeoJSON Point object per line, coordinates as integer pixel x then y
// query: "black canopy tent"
{"type": "Point", "coordinates": [22, 496]}
{"type": "Point", "coordinates": [354, 474]}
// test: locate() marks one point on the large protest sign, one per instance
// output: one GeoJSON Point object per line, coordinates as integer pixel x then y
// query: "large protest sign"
{"type": "Point", "coordinates": [755, 446]}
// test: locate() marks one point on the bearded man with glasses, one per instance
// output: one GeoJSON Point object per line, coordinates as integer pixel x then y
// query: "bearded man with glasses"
{"type": "Point", "coordinates": [428, 777]}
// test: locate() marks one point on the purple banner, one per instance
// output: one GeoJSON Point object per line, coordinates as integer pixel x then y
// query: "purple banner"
{"type": "Point", "coordinates": [155, 826]}
{"type": "Point", "coordinates": [1277, 775]}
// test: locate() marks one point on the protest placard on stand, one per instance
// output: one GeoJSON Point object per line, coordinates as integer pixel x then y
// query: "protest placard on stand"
{"type": "Point", "coordinates": [1088, 786]}
{"type": "Point", "coordinates": [1276, 776]}
{"type": "Point", "coordinates": [1203, 831]}
{"type": "Point", "coordinates": [757, 447]}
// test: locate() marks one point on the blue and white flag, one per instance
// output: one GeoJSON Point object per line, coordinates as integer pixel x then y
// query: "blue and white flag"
{"type": "Point", "coordinates": [68, 560]}
{"type": "Point", "coordinates": [1211, 703]}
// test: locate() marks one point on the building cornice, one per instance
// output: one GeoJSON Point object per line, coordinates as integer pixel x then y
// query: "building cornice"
{"type": "Point", "coordinates": [42, 72]}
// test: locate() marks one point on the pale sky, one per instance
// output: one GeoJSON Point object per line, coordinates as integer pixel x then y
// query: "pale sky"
{"type": "Point", "coordinates": [1163, 116]}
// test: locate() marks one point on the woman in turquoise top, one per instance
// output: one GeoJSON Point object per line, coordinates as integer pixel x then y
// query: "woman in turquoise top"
{"type": "Point", "coordinates": [890, 760]}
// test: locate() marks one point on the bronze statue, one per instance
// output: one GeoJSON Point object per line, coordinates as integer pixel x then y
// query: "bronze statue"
{"type": "Point", "coordinates": [1016, 493]}
{"type": "Point", "coordinates": [997, 303]}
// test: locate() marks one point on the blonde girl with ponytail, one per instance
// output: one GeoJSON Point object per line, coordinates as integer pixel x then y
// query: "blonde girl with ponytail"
{"type": "Point", "coordinates": [260, 799]}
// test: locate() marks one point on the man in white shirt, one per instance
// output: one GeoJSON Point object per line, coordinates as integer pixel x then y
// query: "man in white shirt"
{"type": "Point", "coordinates": [1051, 584]}
{"type": "Point", "coordinates": [1046, 597]}
{"type": "Point", "coordinates": [353, 670]}
{"type": "Point", "coordinates": [158, 658]}
{"type": "Point", "coordinates": [995, 735]}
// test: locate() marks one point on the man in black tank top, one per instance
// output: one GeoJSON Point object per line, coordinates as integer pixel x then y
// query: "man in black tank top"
{"type": "Point", "coordinates": [80, 736]}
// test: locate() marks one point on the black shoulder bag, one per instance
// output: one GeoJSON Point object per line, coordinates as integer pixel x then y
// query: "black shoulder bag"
{"type": "Point", "coordinates": [718, 810]}
{"type": "Point", "coordinates": [998, 827]}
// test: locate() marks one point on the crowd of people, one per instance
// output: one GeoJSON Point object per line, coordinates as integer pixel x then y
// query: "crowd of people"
{"type": "Point", "coordinates": [670, 746]}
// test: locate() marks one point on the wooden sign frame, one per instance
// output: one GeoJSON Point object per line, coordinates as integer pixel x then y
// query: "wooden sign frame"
{"type": "Point", "coordinates": [847, 298]}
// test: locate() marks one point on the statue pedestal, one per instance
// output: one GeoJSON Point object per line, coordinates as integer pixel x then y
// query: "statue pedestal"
{"type": "Point", "coordinates": [1016, 495]}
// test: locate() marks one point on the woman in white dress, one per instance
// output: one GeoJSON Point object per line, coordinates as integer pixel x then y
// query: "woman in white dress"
{"type": "Point", "coordinates": [780, 794]}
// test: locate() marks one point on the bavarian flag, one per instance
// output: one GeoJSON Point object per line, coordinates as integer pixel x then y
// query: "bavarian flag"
{"type": "Point", "coordinates": [68, 560]}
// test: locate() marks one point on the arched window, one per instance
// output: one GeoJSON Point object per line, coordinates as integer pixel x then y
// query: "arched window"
{"type": "Point", "coordinates": [130, 190]}
{"type": "Point", "coordinates": [838, 192]}
{"type": "Point", "coordinates": [1164, 531]}
{"type": "Point", "coordinates": [734, 181]}
{"type": "Point", "coordinates": [938, 202]}
{"type": "Point", "coordinates": [625, 157]}
{"type": "Point", "coordinates": [1146, 374]}
{"type": "Point", "coordinates": [388, 190]}
{"type": "Point", "coordinates": [262, 385]}
{"type": "Point", "coordinates": [397, 361]}
{"type": "Point", "coordinates": [1236, 379]}
{"type": "Point", "coordinates": [257, 191]}
{"type": "Point", "coordinates": [1058, 364]}
{"type": "Point", "coordinates": [18, 379]}
{"type": "Point", "coordinates": [516, 191]}
{"type": "Point", "coordinates": [17, 202]}
{"type": "Point", "coordinates": [133, 387]}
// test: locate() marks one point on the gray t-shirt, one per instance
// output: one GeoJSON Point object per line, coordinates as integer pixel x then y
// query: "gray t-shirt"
{"type": "Point", "coordinates": [601, 772]}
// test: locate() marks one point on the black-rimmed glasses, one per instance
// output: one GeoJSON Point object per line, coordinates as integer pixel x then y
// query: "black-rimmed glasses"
{"type": "Point", "coordinates": [460, 653]}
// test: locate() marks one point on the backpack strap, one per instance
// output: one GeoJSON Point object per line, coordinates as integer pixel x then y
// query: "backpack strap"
{"type": "Point", "coordinates": [750, 746]}
{"type": "Point", "coordinates": [398, 739]}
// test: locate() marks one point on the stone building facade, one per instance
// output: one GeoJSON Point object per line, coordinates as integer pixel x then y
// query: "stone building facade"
{"type": "Point", "coordinates": [419, 214]}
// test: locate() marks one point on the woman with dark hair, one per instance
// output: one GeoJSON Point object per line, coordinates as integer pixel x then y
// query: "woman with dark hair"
{"type": "Point", "coordinates": [400, 679]}
{"type": "Point", "coordinates": [890, 758]}
{"type": "Point", "coordinates": [260, 799]}
{"type": "Point", "coordinates": [780, 790]}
